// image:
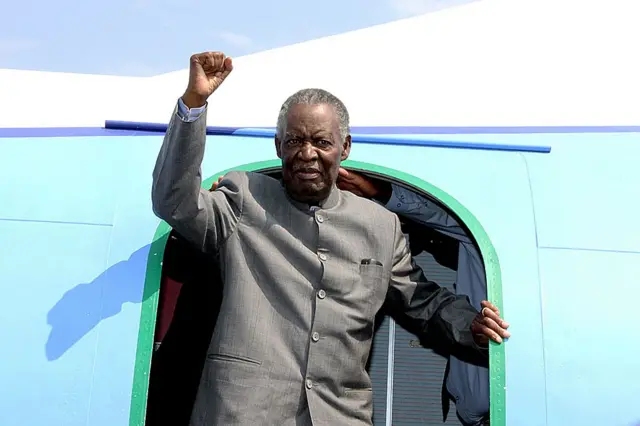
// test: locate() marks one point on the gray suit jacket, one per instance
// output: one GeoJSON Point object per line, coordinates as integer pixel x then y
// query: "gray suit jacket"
{"type": "Point", "coordinates": [296, 323]}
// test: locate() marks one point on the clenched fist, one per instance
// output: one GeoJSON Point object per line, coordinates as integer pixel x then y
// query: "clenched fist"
{"type": "Point", "coordinates": [207, 71]}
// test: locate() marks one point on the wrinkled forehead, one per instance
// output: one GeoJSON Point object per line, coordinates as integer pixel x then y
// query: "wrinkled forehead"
{"type": "Point", "coordinates": [314, 118]}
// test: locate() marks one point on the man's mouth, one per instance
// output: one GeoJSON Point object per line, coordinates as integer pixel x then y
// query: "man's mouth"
{"type": "Point", "coordinates": [307, 174]}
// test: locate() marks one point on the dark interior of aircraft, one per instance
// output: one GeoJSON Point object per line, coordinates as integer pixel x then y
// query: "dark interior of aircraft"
{"type": "Point", "coordinates": [188, 311]}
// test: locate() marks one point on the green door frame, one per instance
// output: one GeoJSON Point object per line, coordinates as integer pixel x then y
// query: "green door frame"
{"type": "Point", "coordinates": [154, 273]}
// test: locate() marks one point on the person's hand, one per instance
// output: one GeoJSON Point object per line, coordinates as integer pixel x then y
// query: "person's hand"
{"type": "Point", "coordinates": [488, 325]}
{"type": "Point", "coordinates": [207, 71]}
{"type": "Point", "coordinates": [363, 186]}
{"type": "Point", "coordinates": [216, 183]}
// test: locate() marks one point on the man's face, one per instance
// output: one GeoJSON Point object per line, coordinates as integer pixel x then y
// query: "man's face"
{"type": "Point", "coordinates": [311, 152]}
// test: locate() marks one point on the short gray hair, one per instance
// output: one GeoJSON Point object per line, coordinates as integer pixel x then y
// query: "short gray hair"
{"type": "Point", "coordinates": [314, 97]}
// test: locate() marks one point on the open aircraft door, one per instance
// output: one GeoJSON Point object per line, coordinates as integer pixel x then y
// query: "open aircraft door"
{"type": "Point", "coordinates": [487, 189]}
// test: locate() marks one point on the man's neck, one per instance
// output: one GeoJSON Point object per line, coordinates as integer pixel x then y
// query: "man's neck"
{"type": "Point", "coordinates": [313, 204]}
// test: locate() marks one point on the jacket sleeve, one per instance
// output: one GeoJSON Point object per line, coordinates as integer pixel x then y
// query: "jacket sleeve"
{"type": "Point", "coordinates": [422, 307]}
{"type": "Point", "coordinates": [416, 207]}
{"type": "Point", "coordinates": [204, 218]}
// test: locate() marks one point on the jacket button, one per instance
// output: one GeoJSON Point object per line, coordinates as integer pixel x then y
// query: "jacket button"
{"type": "Point", "coordinates": [322, 294]}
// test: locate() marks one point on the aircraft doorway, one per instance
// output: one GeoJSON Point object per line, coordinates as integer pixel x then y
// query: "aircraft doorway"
{"type": "Point", "coordinates": [407, 377]}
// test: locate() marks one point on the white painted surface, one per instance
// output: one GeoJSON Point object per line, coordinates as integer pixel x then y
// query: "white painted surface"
{"type": "Point", "coordinates": [486, 63]}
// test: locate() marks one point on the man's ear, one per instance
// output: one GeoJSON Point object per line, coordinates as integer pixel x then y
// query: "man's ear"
{"type": "Point", "coordinates": [346, 148]}
{"type": "Point", "coordinates": [278, 148]}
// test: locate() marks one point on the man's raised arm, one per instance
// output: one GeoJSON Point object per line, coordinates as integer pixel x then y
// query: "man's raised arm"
{"type": "Point", "coordinates": [202, 217]}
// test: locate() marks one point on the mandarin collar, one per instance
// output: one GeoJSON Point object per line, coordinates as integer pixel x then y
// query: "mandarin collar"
{"type": "Point", "coordinates": [328, 203]}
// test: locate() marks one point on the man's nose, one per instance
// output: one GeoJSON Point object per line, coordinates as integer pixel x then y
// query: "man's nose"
{"type": "Point", "coordinates": [307, 152]}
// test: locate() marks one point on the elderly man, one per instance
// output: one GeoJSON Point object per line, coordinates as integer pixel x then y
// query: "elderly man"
{"type": "Point", "coordinates": [305, 268]}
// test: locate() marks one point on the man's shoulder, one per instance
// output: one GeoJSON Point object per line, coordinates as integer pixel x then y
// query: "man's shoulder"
{"type": "Point", "coordinates": [262, 182]}
{"type": "Point", "coordinates": [254, 184]}
{"type": "Point", "coordinates": [370, 221]}
{"type": "Point", "coordinates": [367, 207]}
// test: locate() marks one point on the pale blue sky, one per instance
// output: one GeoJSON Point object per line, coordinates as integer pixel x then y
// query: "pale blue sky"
{"type": "Point", "coordinates": [148, 37]}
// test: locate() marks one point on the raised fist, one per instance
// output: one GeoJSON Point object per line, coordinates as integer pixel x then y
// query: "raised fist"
{"type": "Point", "coordinates": [207, 71]}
